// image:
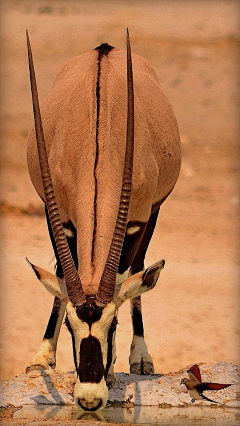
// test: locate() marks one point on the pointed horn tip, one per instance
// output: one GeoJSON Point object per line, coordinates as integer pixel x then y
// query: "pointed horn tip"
{"type": "Point", "coordinates": [28, 44]}
{"type": "Point", "coordinates": [28, 40]}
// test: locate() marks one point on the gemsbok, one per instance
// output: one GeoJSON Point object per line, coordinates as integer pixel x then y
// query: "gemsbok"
{"type": "Point", "coordinates": [104, 155]}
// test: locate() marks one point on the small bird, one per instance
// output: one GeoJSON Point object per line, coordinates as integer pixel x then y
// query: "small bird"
{"type": "Point", "coordinates": [196, 387]}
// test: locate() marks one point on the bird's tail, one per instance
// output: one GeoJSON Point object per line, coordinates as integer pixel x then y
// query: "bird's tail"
{"type": "Point", "coordinates": [211, 400]}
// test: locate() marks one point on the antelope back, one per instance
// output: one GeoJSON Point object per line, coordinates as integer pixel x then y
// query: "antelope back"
{"type": "Point", "coordinates": [84, 119]}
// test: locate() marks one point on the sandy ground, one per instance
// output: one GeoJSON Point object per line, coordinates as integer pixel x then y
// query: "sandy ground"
{"type": "Point", "coordinates": [192, 314]}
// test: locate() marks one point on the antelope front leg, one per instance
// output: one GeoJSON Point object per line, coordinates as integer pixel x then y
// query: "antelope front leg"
{"type": "Point", "coordinates": [46, 355]}
{"type": "Point", "coordinates": [140, 361]}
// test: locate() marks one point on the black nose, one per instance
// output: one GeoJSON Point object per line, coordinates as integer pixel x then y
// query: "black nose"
{"type": "Point", "coordinates": [89, 406]}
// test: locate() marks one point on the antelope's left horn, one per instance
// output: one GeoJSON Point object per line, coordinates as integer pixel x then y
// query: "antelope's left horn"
{"type": "Point", "coordinates": [72, 279]}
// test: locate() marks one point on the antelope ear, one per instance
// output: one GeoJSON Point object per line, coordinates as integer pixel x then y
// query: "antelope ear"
{"type": "Point", "coordinates": [54, 285]}
{"type": "Point", "coordinates": [139, 283]}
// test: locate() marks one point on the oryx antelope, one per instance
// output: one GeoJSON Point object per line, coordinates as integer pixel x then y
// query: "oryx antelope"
{"type": "Point", "coordinates": [109, 156]}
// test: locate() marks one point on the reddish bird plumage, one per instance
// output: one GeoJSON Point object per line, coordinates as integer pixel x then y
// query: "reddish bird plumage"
{"type": "Point", "coordinates": [196, 386]}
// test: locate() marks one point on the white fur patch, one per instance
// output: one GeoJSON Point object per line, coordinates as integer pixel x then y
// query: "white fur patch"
{"type": "Point", "coordinates": [54, 287]}
{"type": "Point", "coordinates": [139, 351]}
{"type": "Point", "coordinates": [101, 327]}
{"type": "Point", "coordinates": [133, 229]}
{"type": "Point", "coordinates": [45, 356]}
{"type": "Point", "coordinates": [80, 329]}
{"type": "Point", "coordinates": [122, 277]}
{"type": "Point", "coordinates": [91, 391]}
{"type": "Point", "coordinates": [69, 232]}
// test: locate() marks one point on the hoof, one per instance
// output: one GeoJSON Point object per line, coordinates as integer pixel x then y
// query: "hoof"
{"type": "Point", "coordinates": [35, 367]}
{"type": "Point", "coordinates": [40, 366]}
{"type": "Point", "coordinates": [111, 380]}
{"type": "Point", "coordinates": [142, 368]}
{"type": "Point", "coordinates": [44, 359]}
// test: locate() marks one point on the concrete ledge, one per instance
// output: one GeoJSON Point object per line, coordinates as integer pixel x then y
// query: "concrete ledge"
{"type": "Point", "coordinates": [51, 387]}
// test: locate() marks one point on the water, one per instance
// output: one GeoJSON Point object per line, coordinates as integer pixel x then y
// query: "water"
{"type": "Point", "coordinates": [193, 415]}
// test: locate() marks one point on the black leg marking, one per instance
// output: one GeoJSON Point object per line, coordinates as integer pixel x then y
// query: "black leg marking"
{"type": "Point", "coordinates": [138, 262]}
{"type": "Point", "coordinates": [56, 317]}
{"type": "Point", "coordinates": [46, 355]}
{"type": "Point", "coordinates": [143, 365]}
{"type": "Point", "coordinates": [131, 244]}
{"type": "Point", "coordinates": [137, 321]}
{"type": "Point", "coordinates": [50, 330]}
{"type": "Point", "coordinates": [72, 242]}
{"type": "Point", "coordinates": [137, 266]}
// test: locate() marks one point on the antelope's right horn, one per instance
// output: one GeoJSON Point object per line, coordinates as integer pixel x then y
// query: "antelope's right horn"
{"type": "Point", "coordinates": [108, 279]}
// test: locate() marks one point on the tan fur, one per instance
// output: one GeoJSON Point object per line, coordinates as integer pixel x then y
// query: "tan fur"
{"type": "Point", "coordinates": [69, 121]}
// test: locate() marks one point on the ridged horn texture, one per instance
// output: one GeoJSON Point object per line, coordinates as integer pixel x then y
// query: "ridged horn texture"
{"type": "Point", "coordinates": [108, 279]}
{"type": "Point", "coordinates": [72, 279]}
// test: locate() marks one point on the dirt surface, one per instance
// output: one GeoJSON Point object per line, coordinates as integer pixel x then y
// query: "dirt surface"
{"type": "Point", "coordinates": [192, 315]}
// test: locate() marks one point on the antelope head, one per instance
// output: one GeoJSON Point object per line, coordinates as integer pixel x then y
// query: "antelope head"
{"type": "Point", "coordinates": [91, 318]}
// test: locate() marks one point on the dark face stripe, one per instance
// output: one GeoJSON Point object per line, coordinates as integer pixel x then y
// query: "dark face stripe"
{"type": "Point", "coordinates": [91, 369]}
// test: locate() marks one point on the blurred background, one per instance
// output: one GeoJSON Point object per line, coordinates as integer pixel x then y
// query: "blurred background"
{"type": "Point", "coordinates": [192, 315]}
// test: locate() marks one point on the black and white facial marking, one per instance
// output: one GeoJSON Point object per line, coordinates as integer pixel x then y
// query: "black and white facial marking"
{"type": "Point", "coordinates": [89, 312]}
{"type": "Point", "coordinates": [92, 329]}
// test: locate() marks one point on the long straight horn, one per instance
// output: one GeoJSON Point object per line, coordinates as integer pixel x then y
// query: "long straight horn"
{"type": "Point", "coordinates": [108, 279]}
{"type": "Point", "coordinates": [72, 279]}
